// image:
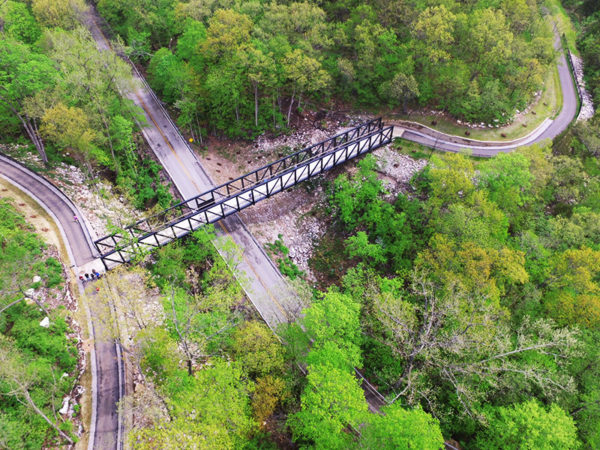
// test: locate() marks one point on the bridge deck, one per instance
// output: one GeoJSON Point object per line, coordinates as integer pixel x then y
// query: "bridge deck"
{"type": "Point", "coordinates": [119, 248]}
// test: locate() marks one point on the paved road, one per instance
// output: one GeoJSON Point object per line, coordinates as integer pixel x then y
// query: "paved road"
{"type": "Point", "coordinates": [106, 379]}
{"type": "Point", "coordinates": [569, 109]}
{"type": "Point", "coordinates": [547, 130]}
{"type": "Point", "coordinates": [259, 277]}
{"type": "Point", "coordinates": [54, 202]}
{"type": "Point", "coordinates": [110, 390]}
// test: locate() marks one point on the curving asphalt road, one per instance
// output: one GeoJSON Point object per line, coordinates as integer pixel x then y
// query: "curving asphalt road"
{"type": "Point", "coordinates": [107, 372]}
{"type": "Point", "coordinates": [549, 129]}
{"type": "Point", "coordinates": [55, 203]}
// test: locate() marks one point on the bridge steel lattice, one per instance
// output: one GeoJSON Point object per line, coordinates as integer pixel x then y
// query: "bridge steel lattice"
{"type": "Point", "coordinates": [147, 225]}
{"type": "Point", "coordinates": [229, 198]}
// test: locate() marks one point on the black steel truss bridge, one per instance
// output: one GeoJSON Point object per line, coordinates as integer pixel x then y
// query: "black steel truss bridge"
{"type": "Point", "coordinates": [231, 197]}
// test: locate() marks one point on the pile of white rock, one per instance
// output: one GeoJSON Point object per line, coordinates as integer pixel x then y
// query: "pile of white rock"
{"type": "Point", "coordinates": [587, 107]}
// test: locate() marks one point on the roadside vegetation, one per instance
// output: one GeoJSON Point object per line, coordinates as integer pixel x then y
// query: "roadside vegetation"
{"type": "Point", "coordinates": [215, 373]}
{"type": "Point", "coordinates": [68, 98]}
{"type": "Point", "coordinates": [471, 302]}
{"type": "Point", "coordinates": [586, 14]}
{"type": "Point", "coordinates": [547, 105]}
{"type": "Point", "coordinates": [239, 68]}
{"type": "Point", "coordinates": [477, 294]}
{"type": "Point", "coordinates": [38, 364]}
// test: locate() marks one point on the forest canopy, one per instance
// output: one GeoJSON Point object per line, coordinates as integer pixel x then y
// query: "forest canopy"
{"type": "Point", "coordinates": [242, 67]}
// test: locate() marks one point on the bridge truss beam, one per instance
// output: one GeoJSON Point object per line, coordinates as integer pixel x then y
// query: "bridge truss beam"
{"type": "Point", "coordinates": [241, 193]}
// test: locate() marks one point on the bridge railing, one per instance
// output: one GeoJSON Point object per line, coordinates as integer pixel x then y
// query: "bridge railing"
{"type": "Point", "coordinates": [205, 199]}
{"type": "Point", "coordinates": [126, 249]}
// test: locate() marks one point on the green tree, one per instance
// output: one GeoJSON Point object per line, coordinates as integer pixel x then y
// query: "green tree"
{"type": "Point", "coordinates": [18, 378]}
{"type": "Point", "coordinates": [159, 354]}
{"type": "Point", "coordinates": [577, 269]}
{"type": "Point", "coordinates": [490, 37]}
{"type": "Point", "coordinates": [331, 401]}
{"type": "Point", "coordinates": [464, 341]}
{"type": "Point", "coordinates": [434, 27]}
{"type": "Point", "coordinates": [148, 22]}
{"type": "Point", "coordinates": [228, 31]}
{"type": "Point", "coordinates": [399, 90]}
{"type": "Point", "coordinates": [355, 197]}
{"type": "Point", "coordinates": [261, 73]}
{"type": "Point", "coordinates": [305, 76]}
{"type": "Point", "coordinates": [23, 75]}
{"type": "Point", "coordinates": [18, 23]}
{"type": "Point", "coordinates": [210, 410]}
{"type": "Point", "coordinates": [258, 350]}
{"type": "Point", "coordinates": [401, 428]}
{"type": "Point", "coordinates": [93, 80]}
{"type": "Point", "coordinates": [225, 96]}
{"type": "Point", "coordinates": [59, 13]}
{"type": "Point", "coordinates": [478, 220]}
{"type": "Point", "coordinates": [452, 179]}
{"type": "Point", "coordinates": [569, 181]}
{"type": "Point", "coordinates": [508, 181]}
{"type": "Point", "coordinates": [169, 75]}
{"type": "Point", "coordinates": [335, 319]}
{"type": "Point", "coordinates": [528, 426]}
{"type": "Point", "coordinates": [69, 128]}
{"type": "Point", "coordinates": [190, 42]}
{"type": "Point", "coordinates": [358, 246]}
{"type": "Point", "coordinates": [302, 23]}
{"type": "Point", "coordinates": [268, 394]}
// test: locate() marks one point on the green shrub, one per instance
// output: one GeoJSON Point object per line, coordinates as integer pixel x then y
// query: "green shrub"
{"type": "Point", "coordinates": [284, 262]}
{"type": "Point", "coordinates": [54, 275]}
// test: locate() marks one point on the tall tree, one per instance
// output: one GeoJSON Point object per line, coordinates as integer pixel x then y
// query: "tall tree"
{"type": "Point", "coordinates": [434, 27]}
{"type": "Point", "coordinates": [17, 22]}
{"type": "Point", "coordinates": [66, 14]}
{"type": "Point", "coordinates": [400, 90]}
{"type": "Point", "coordinates": [23, 74]}
{"type": "Point", "coordinates": [19, 380]}
{"type": "Point", "coordinates": [464, 340]}
{"type": "Point", "coordinates": [335, 319]}
{"type": "Point", "coordinates": [305, 76]}
{"type": "Point", "coordinates": [528, 426]}
{"type": "Point", "coordinates": [69, 128]}
{"type": "Point", "coordinates": [261, 73]}
{"type": "Point", "coordinates": [398, 427]}
{"type": "Point", "coordinates": [209, 410]}
{"type": "Point", "coordinates": [94, 81]}
{"type": "Point", "coordinates": [331, 401]}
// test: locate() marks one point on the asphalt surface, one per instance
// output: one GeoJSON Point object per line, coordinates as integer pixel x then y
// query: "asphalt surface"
{"type": "Point", "coordinates": [262, 281]}
{"type": "Point", "coordinates": [108, 394]}
{"type": "Point", "coordinates": [547, 130]}
{"type": "Point", "coordinates": [108, 384]}
{"type": "Point", "coordinates": [569, 109]}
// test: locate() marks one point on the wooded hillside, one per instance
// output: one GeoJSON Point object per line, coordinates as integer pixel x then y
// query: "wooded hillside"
{"type": "Point", "coordinates": [241, 67]}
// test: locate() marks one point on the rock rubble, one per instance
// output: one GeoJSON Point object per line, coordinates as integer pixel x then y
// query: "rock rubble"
{"type": "Point", "coordinates": [587, 106]}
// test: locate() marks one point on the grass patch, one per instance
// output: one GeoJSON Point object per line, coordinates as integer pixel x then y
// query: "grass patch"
{"type": "Point", "coordinates": [563, 22]}
{"type": "Point", "coordinates": [412, 149]}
